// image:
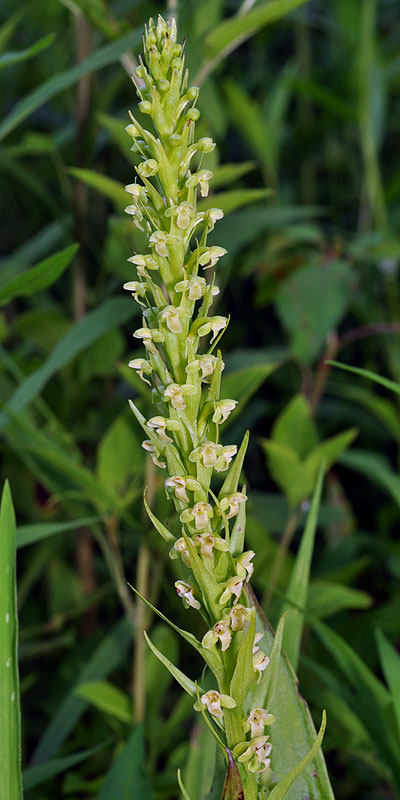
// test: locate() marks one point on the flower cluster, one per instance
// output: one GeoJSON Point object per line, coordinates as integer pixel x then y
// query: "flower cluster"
{"type": "Point", "coordinates": [175, 285]}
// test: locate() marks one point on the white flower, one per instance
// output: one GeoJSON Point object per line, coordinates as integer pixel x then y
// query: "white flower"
{"type": "Point", "coordinates": [172, 318]}
{"type": "Point", "coordinates": [257, 720]}
{"type": "Point", "coordinates": [185, 591]}
{"type": "Point", "coordinates": [228, 452]}
{"type": "Point", "coordinates": [135, 189]}
{"type": "Point", "coordinates": [184, 214]}
{"type": "Point", "coordinates": [222, 410]}
{"type": "Point", "coordinates": [134, 211]}
{"type": "Point", "coordinates": [175, 394]}
{"type": "Point", "coordinates": [206, 363]}
{"type": "Point", "coordinates": [233, 587]}
{"type": "Point", "coordinates": [148, 445]}
{"type": "Point", "coordinates": [208, 541]}
{"type": "Point", "coordinates": [143, 261]}
{"type": "Point", "coordinates": [196, 287]}
{"type": "Point", "coordinates": [257, 639]}
{"type": "Point", "coordinates": [138, 289]}
{"type": "Point", "coordinates": [148, 168]}
{"type": "Point", "coordinates": [219, 632]}
{"type": "Point", "coordinates": [260, 663]}
{"type": "Point", "coordinates": [204, 176]}
{"type": "Point", "coordinates": [159, 240]}
{"type": "Point", "coordinates": [181, 547]}
{"type": "Point", "coordinates": [179, 484]}
{"type": "Point", "coordinates": [149, 336]}
{"type": "Point", "coordinates": [214, 324]}
{"type": "Point", "coordinates": [215, 702]}
{"type": "Point", "coordinates": [232, 502]}
{"type": "Point", "coordinates": [201, 513]}
{"type": "Point", "coordinates": [255, 753]}
{"type": "Point", "coordinates": [211, 255]}
{"type": "Point", "coordinates": [208, 453]}
{"type": "Point", "coordinates": [143, 368]}
{"type": "Point", "coordinates": [238, 616]}
{"type": "Point", "coordinates": [244, 565]}
{"type": "Point", "coordinates": [212, 215]}
{"type": "Point", "coordinates": [161, 425]}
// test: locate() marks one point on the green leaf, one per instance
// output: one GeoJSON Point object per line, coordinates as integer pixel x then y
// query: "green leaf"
{"type": "Point", "coordinates": [264, 692]}
{"type": "Point", "coordinates": [200, 763]}
{"type": "Point", "coordinates": [232, 32]}
{"type": "Point", "coordinates": [307, 320]}
{"type": "Point", "coordinates": [234, 199]}
{"type": "Point", "coordinates": [390, 661]}
{"type": "Point", "coordinates": [233, 787]}
{"type": "Point", "coordinates": [298, 584]}
{"type": "Point", "coordinates": [325, 598]}
{"type": "Point", "coordinates": [126, 778]}
{"type": "Point", "coordinates": [29, 534]}
{"type": "Point", "coordinates": [295, 427]}
{"type": "Point", "coordinates": [181, 786]}
{"type": "Point", "coordinates": [7, 59]}
{"type": "Point", "coordinates": [160, 528]}
{"type": "Point", "coordinates": [243, 383]}
{"type": "Point", "coordinates": [228, 173]}
{"type": "Point", "coordinates": [243, 675]}
{"type": "Point", "coordinates": [38, 278]}
{"type": "Point", "coordinates": [329, 451]}
{"type": "Point", "coordinates": [38, 774]}
{"type": "Point", "coordinates": [108, 655]}
{"type": "Point", "coordinates": [280, 791]}
{"type": "Point", "coordinates": [371, 699]}
{"type": "Point", "coordinates": [367, 373]}
{"type": "Point", "coordinates": [231, 481]}
{"type": "Point", "coordinates": [107, 698]}
{"type": "Point", "coordinates": [120, 458]}
{"type": "Point", "coordinates": [188, 685]}
{"type": "Point", "coordinates": [104, 55]}
{"type": "Point", "coordinates": [376, 468]}
{"type": "Point", "coordinates": [111, 313]}
{"type": "Point", "coordinates": [293, 733]}
{"type": "Point", "coordinates": [10, 733]}
{"type": "Point", "coordinates": [288, 471]}
{"type": "Point", "coordinates": [106, 186]}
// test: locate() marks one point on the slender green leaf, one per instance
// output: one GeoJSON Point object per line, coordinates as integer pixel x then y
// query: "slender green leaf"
{"type": "Point", "coordinates": [7, 59]}
{"type": "Point", "coordinates": [325, 598]}
{"type": "Point", "coordinates": [390, 661]}
{"type": "Point", "coordinates": [107, 186]}
{"type": "Point", "coordinates": [293, 733]}
{"type": "Point", "coordinates": [10, 734]}
{"type": "Point", "coordinates": [298, 584]}
{"type": "Point", "coordinates": [160, 528]}
{"type": "Point", "coordinates": [104, 55]}
{"type": "Point", "coordinates": [367, 373]}
{"type": "Point", "coordinates": [127, 778]}
{"type": "Point", "coordinates": [243, 675]}
{"type": "Point", "coordinates": [29, 534]}
{"type": "Point", "coordinates": [265, 690]}
{"type": "Point", "coordinates": [188, 685]}
{"type": "Point", "coordinates": [376, 468]}
{"type": "Point", "coordinates": [231, 481]}
{"type": "Point", "coordinates": [38, 278]}
{"type": "Point", "coordinates": [111, 313]}
{"type": "Point", "coordinates": [200, 763]}
{"type": "Point", "coordinates": [38, 774]}
{"type": "Point", "coordinates": [231, 32]}
{"type": "Point", "coordinates": [107, 656]}
{"type": "Point", "coordinates": [106, 698]}
{"type": "Point", "coordinates": [280, 791]}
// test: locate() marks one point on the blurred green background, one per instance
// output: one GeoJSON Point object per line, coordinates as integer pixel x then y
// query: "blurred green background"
{"type": "Point", "coordinates": [305, 111]}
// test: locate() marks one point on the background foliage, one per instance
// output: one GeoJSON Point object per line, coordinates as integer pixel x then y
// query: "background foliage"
{"type": "Point", "coordinates": [304, 109]}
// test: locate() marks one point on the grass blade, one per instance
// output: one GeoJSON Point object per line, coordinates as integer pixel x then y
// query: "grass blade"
{"type": "Point", "coordinates": [298, 584]}
{"type": "Point", "coordinates": [111, 313]}
{"type": "Point", "coordinates": [280, 791]}
{"type": "Point", "coordinates": [390, 661]}
{"type": "Point", "coordinates": [232, 32]}
{"type": "Point", "coordinates": [10, 736]}
{"type": "Point", "coordinates": [104, 55]}
{"type": "Point", "coordinates": [7, 59]}
{"type": "Point", "coordinates": [39, 277]}
{"type": "Point", "coordinates": [367, 373]}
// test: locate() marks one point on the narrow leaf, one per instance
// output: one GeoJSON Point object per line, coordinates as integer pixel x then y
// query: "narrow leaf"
{"type": "Point", "coordinates": [236, 30]}
{"type": "Point", "coordinates": [298, 584]}
{"type": "Point", "coordinates": [188, 685]}
{"type": "Point", "coordinates": [264, 693]}
{"type": "Point", "coordinates": [160, 528]}
{"type": "Point", "coordinates": [7, 59]}
{"type": "Point", "coordinates": [38, 774]}
{"type": "Point", "coordinates": [126, 778]}
{"type": "Point", "coordinates": [390, 660]}
{"type": "Point", "coordinates": [367, 373]}
{"type": "Point", "coordinates": [10, 734]}
{"type": "Point", "coordinates": [38, 278]}
{"type": "Point", "coordinates": [243, 675]}
{"type": "Point", "coordinates": [280, 791]}
{"type": "Point", "coordinates": [106, 698]}
{"type": "Point", "coordinates": [231, 481]}
{"type": "Point", "coordinates": [107, 186]}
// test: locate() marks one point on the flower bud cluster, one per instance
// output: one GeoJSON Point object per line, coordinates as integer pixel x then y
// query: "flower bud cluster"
{"type": "Point", "coordinates": [175, 285]}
